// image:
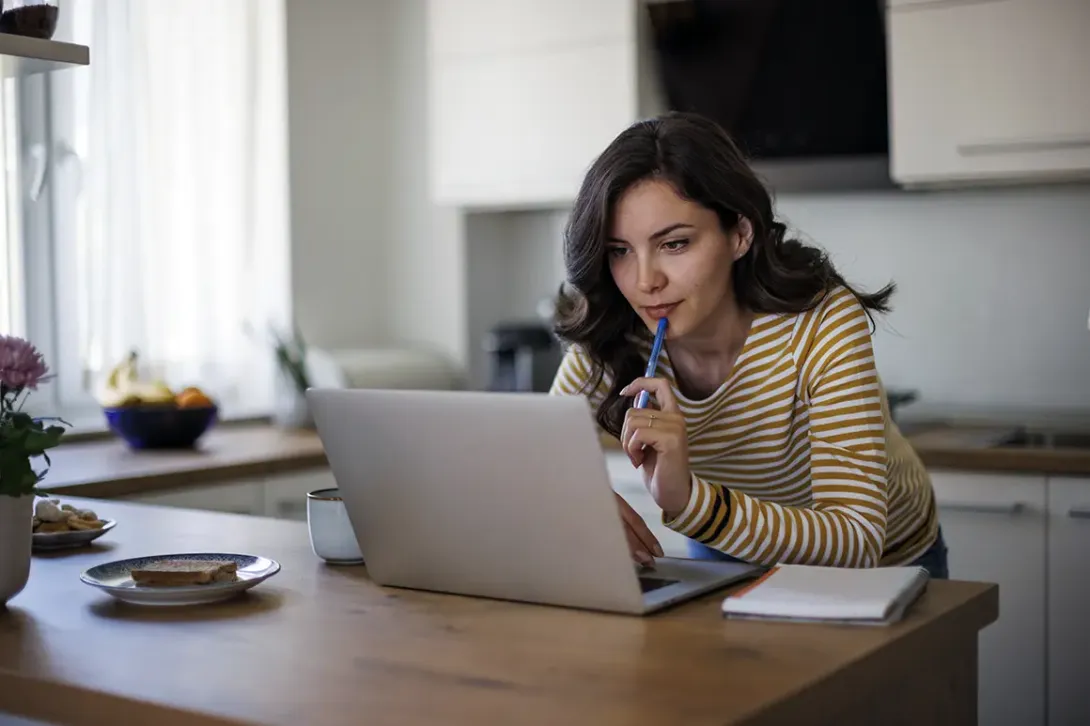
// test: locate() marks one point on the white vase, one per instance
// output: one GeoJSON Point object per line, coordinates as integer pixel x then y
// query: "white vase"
{"type": "Point", "coordinates": [16, 535]}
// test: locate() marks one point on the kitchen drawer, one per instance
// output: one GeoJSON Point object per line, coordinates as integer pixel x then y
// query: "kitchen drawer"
{"type": "Point", "coordinates": [1068, 601]}
{"type": "Point", "coordinates": [239, 497]}
{"type": "Point", "coordinates": [995, 526]}
{"type": "Point", "coordinates": [286, 494]}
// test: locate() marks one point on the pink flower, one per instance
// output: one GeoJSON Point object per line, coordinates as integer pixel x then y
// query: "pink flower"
{"type": "Point", "coordinates": [21, 365]}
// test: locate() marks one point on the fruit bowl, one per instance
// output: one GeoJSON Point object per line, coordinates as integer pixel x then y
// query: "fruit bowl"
{"type": "Point", "coordinates": [160, 426]}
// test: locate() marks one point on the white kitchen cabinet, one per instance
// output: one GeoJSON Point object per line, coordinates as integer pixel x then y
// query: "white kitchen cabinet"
{"type": "Point", "coordinates": [1068, 601]}
{"type": "Point", "coordinates": [995, 529]}
{"type": "Point", "coordinates": [522, 98]}
{"type": "Point", "coordinates": [463, 28]}
{"type": "Point", "coordinates": [286, 494]}
{"type": "Point", "coordinates": [989, 91]}
{"type": "Point", "coordinates": [244, 496]}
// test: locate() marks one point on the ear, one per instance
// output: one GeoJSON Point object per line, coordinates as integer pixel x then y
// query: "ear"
{"type": "Point", "coordinates": [743, 237]}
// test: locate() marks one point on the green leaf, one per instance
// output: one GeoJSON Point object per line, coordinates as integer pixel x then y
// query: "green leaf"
{"type": "Point", "coordinates": [22, 421]}
{"type": "Point", "coordinates": [17, 477]}
{"type": "Point", "coordinates": [38, 441]}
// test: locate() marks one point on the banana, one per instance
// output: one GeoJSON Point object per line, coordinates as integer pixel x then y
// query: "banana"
{"type": "Point", "coordinates": [123, 386]}
{"type": "Point", "coordinates": [125, 370]}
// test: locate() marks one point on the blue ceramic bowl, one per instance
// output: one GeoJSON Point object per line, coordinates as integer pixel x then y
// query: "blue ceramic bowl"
{"type": "Point", "coordinates": [160, 427]}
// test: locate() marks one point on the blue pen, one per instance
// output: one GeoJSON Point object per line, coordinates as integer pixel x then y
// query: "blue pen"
{"type": "Point", "coordinates": [652, 362]}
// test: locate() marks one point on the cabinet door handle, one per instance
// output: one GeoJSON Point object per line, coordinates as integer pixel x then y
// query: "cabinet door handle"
{"type": "Point", "coordinates": [1079, 512]}
{"type": "Point", "coordinates": [925, 4]}
{"type": "Point", "coordinates": [984, 508]}
{"type": "Point", "coordinates": [1023, 146]}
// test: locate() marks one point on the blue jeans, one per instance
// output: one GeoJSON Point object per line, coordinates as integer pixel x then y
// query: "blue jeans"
{"type": "Point", "coordinates": [933, 560]}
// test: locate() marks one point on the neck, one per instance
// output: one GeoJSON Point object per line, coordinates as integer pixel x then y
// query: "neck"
{"type": "Point", "coordinates": [720, 338]}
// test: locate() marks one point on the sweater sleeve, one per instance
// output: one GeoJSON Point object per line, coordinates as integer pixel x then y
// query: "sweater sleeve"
{"type": "Point", "coordinates": [845, 523]}
{"type": "Point", "coordinates": [575, 377]}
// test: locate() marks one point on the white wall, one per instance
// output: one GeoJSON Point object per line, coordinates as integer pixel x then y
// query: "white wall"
{"type": "Point", "coordinates": [373, 262]}
{"type": "Point", "coordinates": [340, 98]}
{"type": "Point", "coordinates": [427, 274]}
{"type": "Point", "coordinates": [994, 288]}
{"type": "Point", "coordinates": [994, 285]}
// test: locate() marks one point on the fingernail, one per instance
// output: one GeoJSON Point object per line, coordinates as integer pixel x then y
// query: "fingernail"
{"type": "Point", "coordinates": [644, 557]}
{"type": "Point", "coordinates": [658, 551]}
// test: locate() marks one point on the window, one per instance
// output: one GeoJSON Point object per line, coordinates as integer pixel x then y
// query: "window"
{"type": "Point", "coordinates": [163, 227]}
{"type": "Point", "coordinates": [11, 259]}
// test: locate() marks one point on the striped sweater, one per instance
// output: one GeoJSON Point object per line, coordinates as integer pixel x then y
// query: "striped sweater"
{"type": "Point", "coordinates": [794, 458]}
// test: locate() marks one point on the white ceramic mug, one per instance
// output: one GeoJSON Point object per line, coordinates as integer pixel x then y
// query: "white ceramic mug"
{"type": "Point", "coordinates": [331, 535]}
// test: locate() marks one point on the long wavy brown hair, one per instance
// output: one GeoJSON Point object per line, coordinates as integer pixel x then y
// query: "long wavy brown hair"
{"type": "Point", "coordinates": [702, 163]}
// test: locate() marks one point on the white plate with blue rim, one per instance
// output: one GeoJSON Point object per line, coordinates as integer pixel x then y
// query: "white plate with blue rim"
{"type": "Point", "coordinates": [115, 579]}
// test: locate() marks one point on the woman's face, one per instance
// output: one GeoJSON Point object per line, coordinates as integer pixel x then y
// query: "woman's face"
{"type": "Point", "coordinates": [671, 258]}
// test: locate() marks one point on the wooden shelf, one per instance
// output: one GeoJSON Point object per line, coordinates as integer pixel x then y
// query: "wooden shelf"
{"type": "Point", "coordinates": [22, 56]}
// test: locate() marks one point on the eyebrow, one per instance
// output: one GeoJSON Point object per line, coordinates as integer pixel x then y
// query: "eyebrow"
{"type": "Point", "coordinates": [661, 233]}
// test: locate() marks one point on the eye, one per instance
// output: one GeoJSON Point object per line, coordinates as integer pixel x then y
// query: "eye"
{"type": "Point", "coordinates": [676, 245]}
{"type": "Point", "coordinates": [616, 251]}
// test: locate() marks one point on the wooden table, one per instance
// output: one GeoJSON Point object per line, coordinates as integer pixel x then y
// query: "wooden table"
{"type": "Point", "coordinates": [323, 646]}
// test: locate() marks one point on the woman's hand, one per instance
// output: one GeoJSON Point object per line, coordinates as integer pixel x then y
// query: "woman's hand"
{"type": "Point", "coordinates": [641, 543]}
{"type": "Point", "coordinates": [656, 440]}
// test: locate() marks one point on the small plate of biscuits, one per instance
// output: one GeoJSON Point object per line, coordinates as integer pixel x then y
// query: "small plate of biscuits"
{"type": "Point", "coordinates": [60, 526]}
{"type": "Point", "coordinates": [180, 579]}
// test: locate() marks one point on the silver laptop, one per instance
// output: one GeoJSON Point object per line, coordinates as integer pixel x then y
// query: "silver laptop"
{"type": "Point", "coordinates": [499, 495]}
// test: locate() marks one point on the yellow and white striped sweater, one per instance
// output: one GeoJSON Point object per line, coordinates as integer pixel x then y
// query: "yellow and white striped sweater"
{"type": "Point", "coordinates": [795, 458]}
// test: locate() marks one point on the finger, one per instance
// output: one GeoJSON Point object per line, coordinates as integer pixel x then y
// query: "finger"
{"type": "Point", "coordinates": [657, 387]}
{"type": "Point", "coordinates": [640, 555]}
{"type": "Point", "coordinates": [633, 448]}
{"type": "Point", "coordinates": [641, 530]}
{"type": "Point", "coordinates": [661, 440]}
{"type": "Point", "coordinates": [626, 433]}
{"type": "Point", "coordinates": [631, 520]}
{"type": "Point", "coordinates": [652, 418]}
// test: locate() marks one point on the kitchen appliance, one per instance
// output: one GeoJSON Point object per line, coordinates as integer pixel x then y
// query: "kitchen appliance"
{"type": "Point", "coordinates": [522, 357]}
{"type": "Point", "coordinates": [898, 398]}
{"type": "Point", "coordinates": [800, 85]}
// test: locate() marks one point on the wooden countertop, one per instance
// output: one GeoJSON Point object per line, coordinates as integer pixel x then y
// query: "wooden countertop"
{"type": "Point", "coordinates": [108, 468]}
{"type": "Point", "coordinates": [321, 645]}
{"type": "Point", "coordinates": [972, 448]}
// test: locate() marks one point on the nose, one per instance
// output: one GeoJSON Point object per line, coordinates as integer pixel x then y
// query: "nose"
{"type": "Point", "coordinates": [649, 277]}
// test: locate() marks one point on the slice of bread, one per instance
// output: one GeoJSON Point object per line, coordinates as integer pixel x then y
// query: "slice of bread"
{"type": "Point", "coordinates": [185, 572]}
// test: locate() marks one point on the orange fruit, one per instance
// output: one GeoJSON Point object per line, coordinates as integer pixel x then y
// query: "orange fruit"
{"type": "Point", "coordinates": [193, 397]}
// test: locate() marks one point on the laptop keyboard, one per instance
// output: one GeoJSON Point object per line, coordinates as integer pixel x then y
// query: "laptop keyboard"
{"type": "Point", "coordinates": [647, 584]}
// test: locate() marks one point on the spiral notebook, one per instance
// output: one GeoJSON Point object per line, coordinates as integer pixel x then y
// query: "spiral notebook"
{"type": "Point", "coordinates": [810, 593]}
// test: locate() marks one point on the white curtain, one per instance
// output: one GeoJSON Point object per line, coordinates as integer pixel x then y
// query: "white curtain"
{"type": "Point", "coordinates": [10, 258]}
{"type": "Point", "coordinates": [179, 240]}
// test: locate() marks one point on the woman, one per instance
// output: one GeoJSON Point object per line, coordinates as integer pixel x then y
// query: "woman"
{"type": "Point", "coordinates": [770, 439]}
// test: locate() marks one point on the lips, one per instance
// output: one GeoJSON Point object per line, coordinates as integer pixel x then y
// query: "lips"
{"type": "Point", "coordinates": [660, 311]}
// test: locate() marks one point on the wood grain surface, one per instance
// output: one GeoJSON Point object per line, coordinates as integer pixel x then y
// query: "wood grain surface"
{"type": "Point", "coordinates": [324, 646]}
